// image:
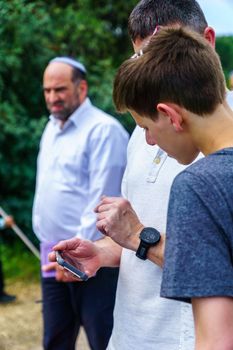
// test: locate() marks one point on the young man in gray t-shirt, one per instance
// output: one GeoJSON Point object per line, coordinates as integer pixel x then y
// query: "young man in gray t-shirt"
{"type": "Point", "coordinates": [175, 90]}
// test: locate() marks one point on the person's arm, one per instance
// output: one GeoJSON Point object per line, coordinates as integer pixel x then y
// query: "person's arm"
{"type": "Point", "coordinates": [9, 221]}
{"type": "Point", "coordinates": [92, 255]}
{"type": "Point", "coordinates": [107, 160]}
{"type": "Point", "coordinates": [213, 319]}
{"type": "Point", "coordinates": [117, 219]}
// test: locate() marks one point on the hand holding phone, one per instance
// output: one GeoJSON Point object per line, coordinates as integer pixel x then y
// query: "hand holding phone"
{"type": "Point", "coordinates": [68, 264]}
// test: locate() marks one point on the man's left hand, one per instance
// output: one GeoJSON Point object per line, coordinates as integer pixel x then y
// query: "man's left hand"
{"type": "Point", "coordinates": [117, 219]}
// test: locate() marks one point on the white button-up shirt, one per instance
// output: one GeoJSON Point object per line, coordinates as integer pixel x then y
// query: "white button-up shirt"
{"type": "Point", "coordinates": [76, 166]}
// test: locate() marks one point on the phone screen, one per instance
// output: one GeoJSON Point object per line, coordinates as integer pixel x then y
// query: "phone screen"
{"type": "Point", "coordinates": [72, 265]}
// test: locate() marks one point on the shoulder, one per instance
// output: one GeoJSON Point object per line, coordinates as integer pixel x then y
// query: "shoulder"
{"type": "Point", "coordinates": [191, 187]}
{"type": "Point", "coordinates": [207, 170]}
{"type": "Point", "coordinates": [109, 121]}
{"type": "Point", "coordinates": [99, 122]}
{"type": "Point", "coordinates": [195, 173]}
{"type": "Point", "coordinates": [104, 125]}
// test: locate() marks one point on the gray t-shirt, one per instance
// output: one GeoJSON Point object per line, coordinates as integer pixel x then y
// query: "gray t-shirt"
{"type": "Point", "coordinates": [199, 246]}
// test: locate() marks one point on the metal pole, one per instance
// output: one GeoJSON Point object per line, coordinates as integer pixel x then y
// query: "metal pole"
{"type": "Point", "coordinates": [22, 236]}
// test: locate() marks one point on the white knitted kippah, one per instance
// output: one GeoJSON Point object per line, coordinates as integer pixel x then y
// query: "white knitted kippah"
{"type": "Point", "coordinates": [72, 62]}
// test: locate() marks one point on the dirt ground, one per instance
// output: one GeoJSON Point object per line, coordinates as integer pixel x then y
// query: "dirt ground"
{"type": "Point", "coordinates": [21, 322]}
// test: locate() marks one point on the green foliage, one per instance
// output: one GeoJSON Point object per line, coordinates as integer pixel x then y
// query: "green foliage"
{"type": "Point", "coordinates": [31, 33]}
{"type": "Point", "coordinates": [18, 262]}
{"type": "Point", "coordinates": [224, 47]}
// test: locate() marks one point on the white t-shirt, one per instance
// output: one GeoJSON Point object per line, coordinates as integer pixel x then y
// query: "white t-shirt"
{"type": "Point", "coordinates": [142, 319]}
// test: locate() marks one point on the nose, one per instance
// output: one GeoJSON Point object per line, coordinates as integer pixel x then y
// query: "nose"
{"type": "Point", "coordinates": [51, 96]}
{"type": "Point", "coordinates": [149, 139]}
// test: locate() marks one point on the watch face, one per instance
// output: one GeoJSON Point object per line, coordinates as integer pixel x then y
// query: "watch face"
{"type": "Point", "coordinates": [150, 235]}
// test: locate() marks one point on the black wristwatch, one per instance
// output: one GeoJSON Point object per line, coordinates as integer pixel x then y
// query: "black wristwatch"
{"type": "Point", "coordinates": [149, 237]}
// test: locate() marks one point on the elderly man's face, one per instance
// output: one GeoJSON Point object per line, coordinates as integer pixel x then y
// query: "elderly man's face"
{"type": "Point", "coordinates": [60, 92]}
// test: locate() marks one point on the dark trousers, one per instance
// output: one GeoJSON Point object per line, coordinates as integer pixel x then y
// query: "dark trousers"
{"type": "Point", "coordinates": [67, 306]}
{"type": "Point", "coordinates": [1, 279]}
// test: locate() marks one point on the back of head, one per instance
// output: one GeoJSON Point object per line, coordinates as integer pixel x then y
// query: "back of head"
{"type": "Point", "coordinates": [178, 66]}
{"type": "Point", "coordinates": [150, 13]}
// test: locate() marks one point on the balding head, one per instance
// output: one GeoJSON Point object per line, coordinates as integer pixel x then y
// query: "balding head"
{"type": "Point", "coordinates": [58, 70]}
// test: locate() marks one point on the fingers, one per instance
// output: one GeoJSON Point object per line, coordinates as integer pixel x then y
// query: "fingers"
{"type": "Point", "coordinates": [109, 200]}
{"type": "Point", "coordinates": [68, 244]}
{"type": "Point", "coordinates": [64, 276]}
{"type": "Point", "coordinates": [49, 267]}
{"type": "Point", "coordinates": [102, 227]}
{"type": "Point", "coordinates": [62, 245]}
{"type": "Point", "coordinates": [106, 203]}
{"type": "Point", "coordinates": [52, 256]}
{"type": "Point", "coordinates": [103, 207]}
{"type": "Point", "coordinates": [68, 277]}
{"type": "Point", "coordinates": [101, 216]}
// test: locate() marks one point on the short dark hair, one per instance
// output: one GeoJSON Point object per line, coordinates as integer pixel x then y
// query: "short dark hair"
{"type": "Point", "coordinates": [148, 14]}
{"type": "Point", "coordinates": [178, 66]}
{"type": "Point", "coordinates": [77, 75]}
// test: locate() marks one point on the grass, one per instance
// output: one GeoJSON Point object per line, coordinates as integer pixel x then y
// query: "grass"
{"type": "Point", "coordinates": [18, 262]}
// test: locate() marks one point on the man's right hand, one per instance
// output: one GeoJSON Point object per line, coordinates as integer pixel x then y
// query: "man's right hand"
{"type": "Point", "coordinates": [83, 251]}
{"type": "Point", "coordinates": [60, 274]}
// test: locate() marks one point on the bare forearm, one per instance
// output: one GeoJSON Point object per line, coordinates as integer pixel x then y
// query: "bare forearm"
{"type": "Point", "coordinates": [156, 253]}
{"type": "Point", "coordinates": [110, 252]}
{"type": "Point", "coordinates": [213, 319]}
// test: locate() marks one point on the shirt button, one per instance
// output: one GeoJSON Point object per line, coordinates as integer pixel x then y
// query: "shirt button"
{"type": "Point", "coordinates": [157, 160]}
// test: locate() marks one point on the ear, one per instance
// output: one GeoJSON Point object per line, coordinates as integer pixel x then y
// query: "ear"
{"type": "Point", "coordinates": [82, 89]}
{"type": "Point", "coordinates": [209, 34]}
{"type": "Point", "coordinates": [173, 112]}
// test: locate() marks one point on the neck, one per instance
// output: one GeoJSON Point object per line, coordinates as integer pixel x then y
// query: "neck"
{"type": "Point", "coordinates": [214, 132]}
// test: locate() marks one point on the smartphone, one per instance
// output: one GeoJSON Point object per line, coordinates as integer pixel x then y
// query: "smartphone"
{"type": "Point", "coordinates": [69, 265]}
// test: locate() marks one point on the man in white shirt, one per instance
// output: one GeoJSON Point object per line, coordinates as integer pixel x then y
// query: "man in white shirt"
{"type": "Point", "coordinates": [82, 156]}
{"type": "Point", "coordinates": [143, 320]}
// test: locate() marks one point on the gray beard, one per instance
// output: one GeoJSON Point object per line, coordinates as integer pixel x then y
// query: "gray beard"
{"type": "Point", "coordinates": [63, 116]}
{"type": "Point", "coordinates": [66, 113]}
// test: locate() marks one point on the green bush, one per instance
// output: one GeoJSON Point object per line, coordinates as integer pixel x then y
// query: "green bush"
{"type": "Point", "coordinates": [18, 262]}
{"type": "Point", "coordinates": [224, 47]}
{"type": "Point", "coordinates": [31, 33]}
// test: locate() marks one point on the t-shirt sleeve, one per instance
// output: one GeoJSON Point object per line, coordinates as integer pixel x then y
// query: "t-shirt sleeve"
{"type": "Point", "coordinates": [198, 260]}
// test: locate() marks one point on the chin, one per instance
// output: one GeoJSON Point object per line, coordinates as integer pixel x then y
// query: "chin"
{"type": "Point", "coordinates": [185, 160]}
{"type": "Point", "coordinates": [190, 159]}
{"type": "Point", "coordinates": [62, 117]}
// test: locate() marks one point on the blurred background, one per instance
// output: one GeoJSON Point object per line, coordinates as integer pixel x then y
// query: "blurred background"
{"type": "Point", "coordinates": [31, 33]}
